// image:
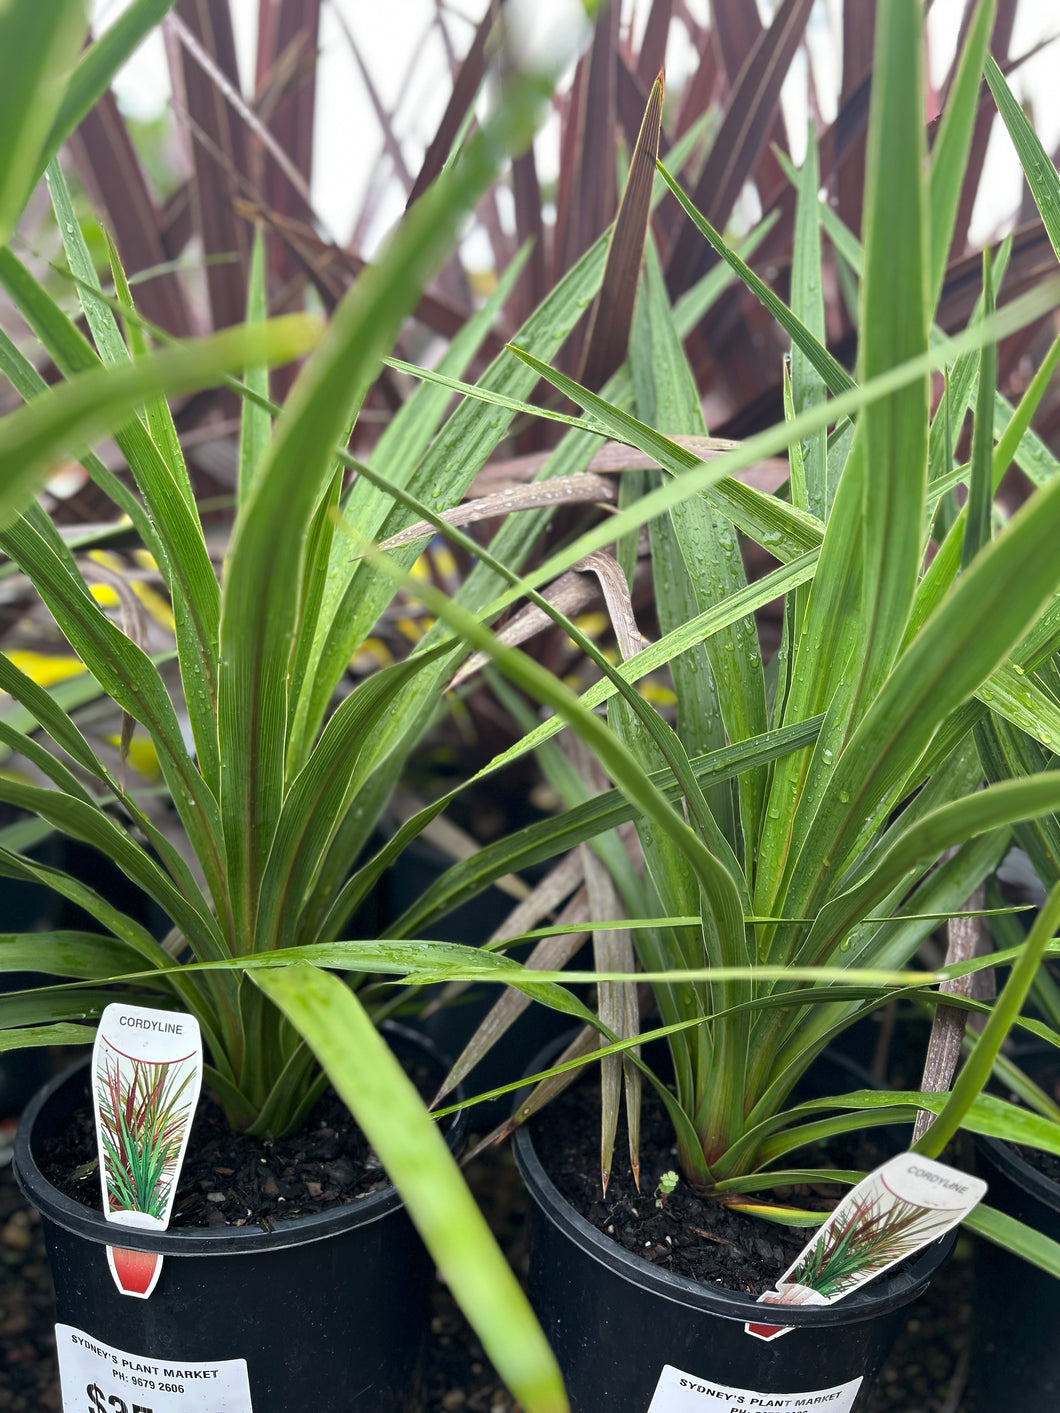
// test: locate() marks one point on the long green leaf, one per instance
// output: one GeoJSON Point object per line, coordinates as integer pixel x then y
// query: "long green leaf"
{"type": "Point", "coordinates": [980, 487]}
{"type": "Point", "coordinates": [80, 954]}
{"type": "Point", "coordinates": [893, 331]}
{"type": "Point", "coordinates": [256, 422]}
{"type": "Point", "coordinates": [836, 378]}
{"type": "Point", "coordinates": [97, 67]}
{"type": "Point", "coordinates": [35, 437]}
{"type": "Point", "coordinates": [318, 800]}
{"type": "Point", "coordinates": [260, 606]}
{"type": "Point", "coordinates": [990, 608]}
{"type": "Point", "coordinates": [979, 1065]}
{"type": "Point", "coordinates": [83, 820]}
{"type": "Point", "coordinates": [953, 141]}
{"type": "Point", "coordinates": [386, 1106]}
{"type": "Point", "coordinates": [28, 383]}
{"type": "Point", "coordinates": [927, 839]}
{"type": "Point", "coordinates": [38, 50]}
{"type": "Point", "coordinates": [125, 672]}
{"type": "Point", "coordinates": [157, 463]}
{"type": "Point", "coordinates": [719, 889]}
{"type": "Point", "coordinates": [45, 1036]}
{"type": "Point", "coordinates": [708, 546]}
{"type": "Point", "coordinates": [1015, 1236]}
{"type": "Point", "coordinates": [1041, 175]}
{"type": "Point", "coordinates": [808, 387]}
{"type": "Point", "coordinates": [694, 477]}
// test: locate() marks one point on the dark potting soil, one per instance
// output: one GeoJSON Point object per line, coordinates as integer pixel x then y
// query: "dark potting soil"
{"type": "Point", "coordinates": [231, 1179]}
{"type": "Point", "coordinates": [924, 1375]}
{"type": "Point", "coordinates": [682, 1233]}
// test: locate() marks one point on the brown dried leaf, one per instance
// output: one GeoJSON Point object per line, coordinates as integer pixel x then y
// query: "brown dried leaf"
{"type": "Point", "coordinates": [619, 605]}
{"type": "Point", "coordinates": [570, 594]}
{"type": "Point", "coordinates": [580, 488]}
{"type": "Point", "coordinates": [964, 939]}
{"type": "Point", "coordinates": [617, 1009]}
{"type": "Point", "coordinates": [550, 954]}
{"type": "Point", "coordinates": [585, 1042]}
{"type": "Point", "coordinates": [614, 457]}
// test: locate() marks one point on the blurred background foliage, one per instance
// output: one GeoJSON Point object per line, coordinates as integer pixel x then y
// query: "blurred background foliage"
{"type": "Point", "coordinates": [236, 129]}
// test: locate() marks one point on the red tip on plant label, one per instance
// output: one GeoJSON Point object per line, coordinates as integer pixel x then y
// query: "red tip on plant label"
{"type": "Point", "coordinates": [135, 1272]}
{"type": "Point", "coordinates": [768, 1332]}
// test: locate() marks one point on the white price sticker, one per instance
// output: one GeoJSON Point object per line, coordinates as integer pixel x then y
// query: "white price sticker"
{"type": "Point", "coordinates": [98, 1379]}
{"type": "Point", "coordinates": [678, 1392]}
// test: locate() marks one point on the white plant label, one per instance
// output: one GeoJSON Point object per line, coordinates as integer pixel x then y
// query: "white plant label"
{"type": "Point", "coordinates": [907, 1203]}
{"type": "Point", "coordinates": [98, 1379]}
{"type": "Point", "coordinates": [678, 1392]}
{"type": "Point", "coordinates": [146, 1077]}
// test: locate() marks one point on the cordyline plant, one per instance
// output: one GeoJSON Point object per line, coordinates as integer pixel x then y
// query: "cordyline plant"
{"type": "Point", "coordinates": [793, 823]}
{"type": "Point", "coordinates": [276, 797]}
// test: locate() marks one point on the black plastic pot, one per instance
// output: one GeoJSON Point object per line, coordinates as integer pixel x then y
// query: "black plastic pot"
{"type": "Point", "coordinates": [330, 1311]}
{"type": "Point", "coordinates": [1016, 1356]}
{"type": "Point", "coordinates": [26, 907]}
{"type": "Point", "coordinates": [615, 1321]}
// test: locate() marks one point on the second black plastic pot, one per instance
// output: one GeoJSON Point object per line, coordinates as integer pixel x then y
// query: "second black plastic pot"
{"type": "Point", "coordinates": [616, 1321]}
{"type": "Point", "coordinates": [1015, 1353]}
{"type": "Point", "coordinates": [330, 1311]}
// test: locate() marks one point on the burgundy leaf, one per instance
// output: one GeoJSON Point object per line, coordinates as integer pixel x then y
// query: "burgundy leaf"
{"type": "Point", "coordinates": [742, 135]}
{"type": "Point", "coordinates": [465, 87]}
{"type": "Point", "coordinates": [107, 161]}
{"type": "Point", "coordinates": [652, 54]}
{"type": "Point", "coordinates": [612, 317]}
{"type": "Point", "coordinates": [217, 159]}
{"type": "Point", "coordinates": [289, 28]}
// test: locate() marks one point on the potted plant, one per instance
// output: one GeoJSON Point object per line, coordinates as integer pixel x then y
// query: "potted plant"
{"type": "Point", "coordinates": [1011, 1298]}
{"type": "Point", "coordinates": [772, 908]}
{"type": "Point", "coordinates": [274, 797]}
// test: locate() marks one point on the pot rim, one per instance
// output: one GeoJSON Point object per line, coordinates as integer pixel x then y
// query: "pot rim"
{"type": "Point", "coordinates": [205, 1241]}
{"type": "Point", "coordinates": [879, 1298]}
{"type": "Point", "coordinates": [1005, 1156]}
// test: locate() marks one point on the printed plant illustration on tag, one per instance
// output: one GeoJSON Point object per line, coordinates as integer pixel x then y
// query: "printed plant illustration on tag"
{"type": "Point", "coordinates": [904, 1205]}
{"type": "Point", "coordinates": [146, 1076]}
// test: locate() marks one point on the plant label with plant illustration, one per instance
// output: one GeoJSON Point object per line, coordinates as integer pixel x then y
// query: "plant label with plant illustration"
{"type": "Point", "coordinates": [678, 1392]}
{"type": "Point", "coordinates": [97, 1378]}
{"type": "Point", "coordinates": [907, 1203]}
{"type": "Point", "coordinates": [146, 1076]}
